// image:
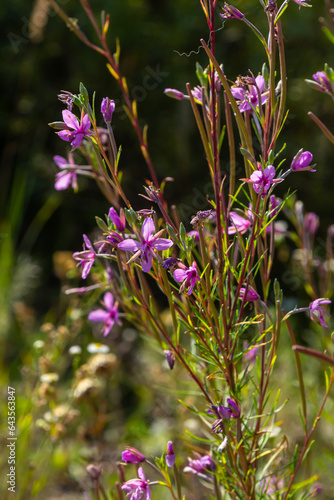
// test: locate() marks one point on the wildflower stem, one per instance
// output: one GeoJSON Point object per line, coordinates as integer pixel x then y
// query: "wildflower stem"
{"type": "Point", "coordinates": [205, 142]}
{"type": "Point", "coordinates": [231, 146]}
{"type": "Point", "coordinates": [177, 482]}
{"type": "Point", "coordinates": [299, 373]}
{"type": "Point", "coordinates": [322, 127]}
{"type": "Point", "coordinates": [308, 438]}
{"type": "Point", "coordinates": [72, 25]}
{"type": "Point", "coordinates": [281, 110]}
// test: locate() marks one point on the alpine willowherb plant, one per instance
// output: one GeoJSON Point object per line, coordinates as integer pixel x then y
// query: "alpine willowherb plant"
{"type": "Point", "coordinates": [217, 278]}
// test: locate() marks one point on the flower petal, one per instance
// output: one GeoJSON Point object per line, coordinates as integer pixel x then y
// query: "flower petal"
{"type": "Point", "coordinates": [66, 135]}
{"type": "Point", "coordinates": [77, 140]}
{"type": "Point", "coordinates": [70, 119]}
{"type": "Point", "coordinates": [86, 268]}
{"type": "Point", "coordinates": [269, 173]}
{"type": "Point", "coordinates": [147, 228]}
{"type": "Point", "coordinates": [108, 299]}
{"type": "Point", "coordinates": [98, 315]}
{"type": "Point", "coordinates": [162, 244]}
{"type": "Point", "coordinates": [85, 124]}
{"type": "Point", "coordinates": [180, 275]}
{"type": "Point", "coordinates": [60, 161]}
{"type": "Point", "coordinates": [146, 261]}
{"type": "Point", "coordinates": [129, 245]}
{"type": "Point", "coordinates": [260, 83]}
{"type": "Point", "coordinates": [63, 180]}
{"type": "Point", "coordinates": [87, 241]}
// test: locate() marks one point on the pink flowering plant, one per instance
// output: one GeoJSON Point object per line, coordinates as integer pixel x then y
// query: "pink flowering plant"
{"type": "Point", "coordinates": [214, 270]}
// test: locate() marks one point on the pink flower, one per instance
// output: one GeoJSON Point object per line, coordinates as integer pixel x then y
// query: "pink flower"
{"type": "Point", "coordinates": [302, 161]}
{"type": "Point", "coordinates": [136, 489]}
{"type": "Point", "coordinates": [118, 220]}
{"type": "Point", "coordinates": [148, 244]}
{"type": "Point", "coordinates": [67, 175]}
{"type": "Point", "coordinates": [132, 456]}
{"type": "Point", "coordinates": [316, 313]}
{"type": "Point", "coordinates": [251, 295]}
{"type": "Point", "coordinates": [188, 277]}
{"type": "Point", "coordinates": [109, 316]}
{"type": "Point", "coordinates": [239, 224]}
{"type": "Point", "coordinates": [262, 179]}
{"type": "Point", "coordinates": [201, 465]}
{"type": "Point", "coordinates": [75, 132]}
{"type": "Point", "coordinates": [230, 12]}
{"type": "Point", "coordinates": [69, 172]}
{"type": "Point", "coordinates": [303, 3]}
{"type": "Point", "coordinates": [107, 109]}
{"type": "Point", "coordinates": [87, 257]}
{"type": "Point", "coordinates": [175, 94]}
{"type": "Point", "coordinates": [256, 95]}
{"type": "Point", "coordinates": [170, 457]}
{"type": "Point", "coordinates": [324, 85]}
{"type": "Point", "coordinates": [170, 358]}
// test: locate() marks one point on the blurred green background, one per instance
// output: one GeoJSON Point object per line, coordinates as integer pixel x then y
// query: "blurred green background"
{"type": "Point", "coordinates": [40, 57]}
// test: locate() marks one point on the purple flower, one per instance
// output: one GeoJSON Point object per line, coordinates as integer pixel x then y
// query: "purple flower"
{"type": "Point", "coordinates": [234, 407]}
{"type": "Point", "coordinates": [87, 257]}
{"type": "Point", "coordinates": [197, 93]}
{"type": "Point", "coordinates": [239, 224]}
{"type": "Point", "coordinates": [251, 355]}
{"type": "Point", "coordinates": [203, 214]}
{"type": "Point", "coordinates": [118, 220]}
{"type": "Point", "coordinates": [316, 313]}
{"type": "Point", "coordinates": [107, 109]}
{"type": "Point", "coordinates": [175, 94]}
{"type": "Point", "coordinates": [230, 411]}
{"type": "Point", "coordinates": [262, 180]}
{"type": "Point", "coordinates": [256, 95]}
{"type": "Point", "coordinates": [68, 175]}
{"type": "Point", "coordinates": [311, 223]}
{"type": "Point", "coordinates": [170, 457]}
{"type": "Point", "coordinates": [136, 489]}
{"type": "Point", "coordinates": [148, 244]}
{"type": "Point", "coordinates": [188, 277]}
{"type": "Point", "coordinates": [200, 465]}
{"type": "Point", "coordinates": [274, 204]}
{"type": "Point", "coordinates": [170, 357]}
{"type": "Point", "coordinates": [302, 161]}
{"type": "Point", "coordinates": [324, 84]}
{"type": "Point", "coordinates": [303, 3]}
{"type": "Point", "coordinates": [170, 262]}
{"type": "Point", "coordinates": [251, 295]}
{"type": "Point", "coordinates": [194, 234]}
{"type": "Point", "coordinates": [230, 12]}
{"type": "Point", "coordinates": [109, 316]}
{"type": "Point", "coordinates": [78, 131]}
{"type": "Point", "coordinates": [132, 456]}
{"type": "Point", "coordinates": [271, 484]}
{"type": "Point", "coordinates": [67, 99]}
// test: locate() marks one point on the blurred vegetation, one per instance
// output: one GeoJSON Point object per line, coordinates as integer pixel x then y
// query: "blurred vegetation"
{"type": "Point", "coordinates": [40, 57]}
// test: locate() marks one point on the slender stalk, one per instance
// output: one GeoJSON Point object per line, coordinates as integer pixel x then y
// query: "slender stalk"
{"type": "Point", "coordinates": [299, 373]}
{"type": "Point", "coordinates": [309, 437]}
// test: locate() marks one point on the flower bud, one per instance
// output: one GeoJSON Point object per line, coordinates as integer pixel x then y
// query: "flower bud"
{"type": "Point", "coordinates": [170, 457]}
{"type": "Point", "coordinates": [107, 109]}
{"type": "Point", "coordinates": [302, 161]}
{"type": "Point", "coordinates": [230, 12]}
{"type": "Point", "coordinates": [93, 471]}
{"type": "Point", "coordinates": [132, 456]}
{"type": "Point", "coordinates": [170, 357]}
{"type": "Point", "coordinates": [175, 94]}
{"type": "Point", "coordinates": [311, 223]}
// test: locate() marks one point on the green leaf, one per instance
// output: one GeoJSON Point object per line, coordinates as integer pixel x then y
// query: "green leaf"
{"type": "Point", "coordinates": [102, 225]}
